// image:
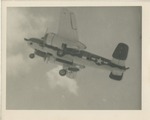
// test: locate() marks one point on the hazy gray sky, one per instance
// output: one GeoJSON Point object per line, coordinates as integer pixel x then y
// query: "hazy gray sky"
{"type": "Point", "coordinates": [33, 84]}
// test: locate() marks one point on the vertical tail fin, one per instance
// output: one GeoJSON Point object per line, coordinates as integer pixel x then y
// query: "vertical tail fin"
{"type": "Point", "coordinates": [121, 51]}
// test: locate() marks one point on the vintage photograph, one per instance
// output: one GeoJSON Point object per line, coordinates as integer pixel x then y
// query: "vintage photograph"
{"type": "Point", "coordinates": [74, 58]}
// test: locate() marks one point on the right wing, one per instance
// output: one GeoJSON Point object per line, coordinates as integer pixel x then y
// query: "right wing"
{"type": "Point", "coordinates": [68, 29]}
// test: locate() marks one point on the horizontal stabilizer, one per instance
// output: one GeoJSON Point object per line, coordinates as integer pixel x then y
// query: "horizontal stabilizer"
{"type": "Point", "coordinates": [116, 76]}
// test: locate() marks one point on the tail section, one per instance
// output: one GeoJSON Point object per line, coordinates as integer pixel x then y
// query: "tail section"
{"type": "Point", "coordinates": [116, 76]}
{"type": "Point", "coordinates": [119, 57]}
{"type": "Point", "coordinates": [121, 51]}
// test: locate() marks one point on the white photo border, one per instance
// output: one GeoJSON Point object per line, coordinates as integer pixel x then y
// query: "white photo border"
{"type": "Point", "coordinates": [82, 114]}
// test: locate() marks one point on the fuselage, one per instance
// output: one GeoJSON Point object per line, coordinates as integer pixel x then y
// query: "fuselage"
{"type": "Point", "coordinates": [72, 56]}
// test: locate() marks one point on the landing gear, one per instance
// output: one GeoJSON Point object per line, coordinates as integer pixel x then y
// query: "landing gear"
{"type": "Point", "coordinates": [62, 72]}
{"type": "Point", "coordinates": [64, 46]}
{"type": "Point", "coordinates": [32, 55]}
{"type": "Point", "coordinates": [61, 53]}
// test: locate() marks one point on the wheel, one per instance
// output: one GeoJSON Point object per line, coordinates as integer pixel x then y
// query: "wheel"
{"type": "Point", "coordinates": [32, 55]}
{"type": "Point", "coordinates": [60, 53]}
{"type": "Point", "coordinates": [62, 72]}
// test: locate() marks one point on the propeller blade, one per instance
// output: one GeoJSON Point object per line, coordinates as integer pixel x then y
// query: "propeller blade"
{"type": "Point", "coordinates": [45, 36]}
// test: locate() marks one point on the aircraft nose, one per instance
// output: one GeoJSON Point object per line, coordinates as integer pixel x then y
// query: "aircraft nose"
{"type": "Point", "coordinates": [26, 39]}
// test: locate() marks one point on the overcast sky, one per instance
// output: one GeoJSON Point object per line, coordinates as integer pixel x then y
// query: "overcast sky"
{"type": "Point", "coordinates": [33, 84]}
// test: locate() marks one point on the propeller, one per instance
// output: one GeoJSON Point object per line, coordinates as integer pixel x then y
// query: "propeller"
{"type": "Point", "coordinates": [47, 58]}
{"type": "Point", "coordinates": [44, 38]}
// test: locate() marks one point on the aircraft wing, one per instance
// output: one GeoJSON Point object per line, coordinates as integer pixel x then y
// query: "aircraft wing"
{"type": "Point", "coordinates": [68, 29]}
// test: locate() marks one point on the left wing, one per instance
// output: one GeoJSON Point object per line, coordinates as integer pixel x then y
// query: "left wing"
{"type": "Point", "coordinates": [68, 29]}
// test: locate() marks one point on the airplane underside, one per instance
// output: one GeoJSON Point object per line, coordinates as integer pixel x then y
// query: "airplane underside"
{"type": "Point", "coordinates": [64, 48]}
{"type": "Point", "coordinates": [71, 67]}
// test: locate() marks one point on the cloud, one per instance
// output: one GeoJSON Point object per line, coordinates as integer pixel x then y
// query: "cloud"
{"type": "Point", "coordinates": [21, 24]}
{"type": "Point", "coordinates": [17, 65]}
{"type": "Point", "coordinates": [27, 23]}
{"type": "Point", "coordinates": [55, 80]}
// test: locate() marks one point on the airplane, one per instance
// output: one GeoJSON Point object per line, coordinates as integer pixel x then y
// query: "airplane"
{"type": "Point", "coordinates": [64, 48]}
